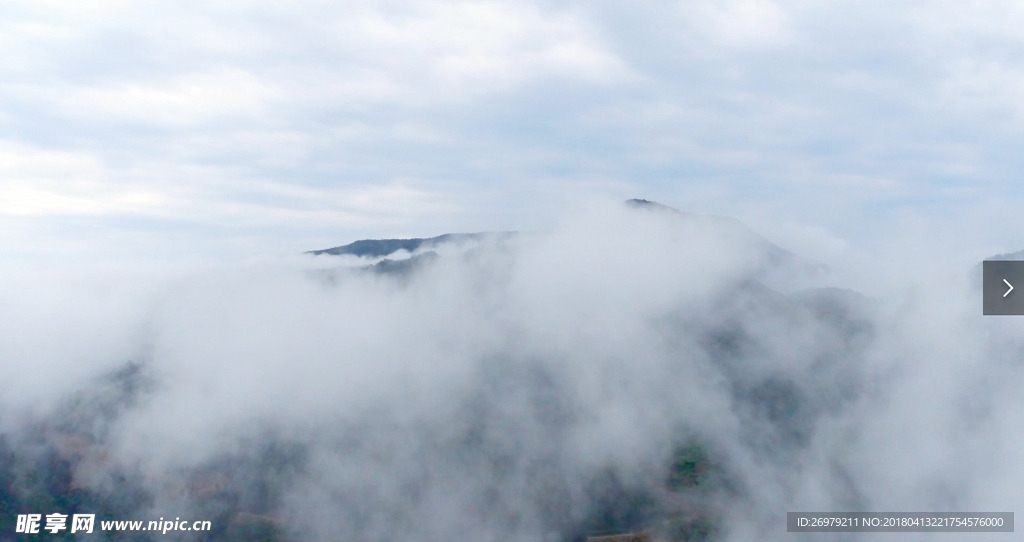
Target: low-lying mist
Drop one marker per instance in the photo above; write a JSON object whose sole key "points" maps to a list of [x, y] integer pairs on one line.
{"points": [[635, 369]]}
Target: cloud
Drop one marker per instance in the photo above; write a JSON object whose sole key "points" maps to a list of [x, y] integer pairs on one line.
{"points": [[192, 100], [501, 392], [487, 395], [741, 108]]}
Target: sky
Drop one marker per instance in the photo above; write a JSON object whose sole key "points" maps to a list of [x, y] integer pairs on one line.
{"points": [[239, 129]]}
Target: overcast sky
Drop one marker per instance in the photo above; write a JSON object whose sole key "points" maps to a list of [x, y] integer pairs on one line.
{"points": [[254, 127]]}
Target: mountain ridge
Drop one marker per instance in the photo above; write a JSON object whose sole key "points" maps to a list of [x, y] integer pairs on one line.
{"points": [[379, 248]]}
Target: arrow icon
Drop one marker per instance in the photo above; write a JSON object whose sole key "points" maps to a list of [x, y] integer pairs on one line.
{"points": [[1011, 287]]}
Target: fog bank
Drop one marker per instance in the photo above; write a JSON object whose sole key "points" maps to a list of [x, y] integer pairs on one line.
{"points": [[531, 387]]}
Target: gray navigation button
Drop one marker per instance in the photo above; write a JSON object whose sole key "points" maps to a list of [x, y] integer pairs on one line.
{"points": [[998, 294]]}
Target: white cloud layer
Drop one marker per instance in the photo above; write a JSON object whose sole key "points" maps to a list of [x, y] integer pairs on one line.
{"points": [[482, 394], [228, 126]]}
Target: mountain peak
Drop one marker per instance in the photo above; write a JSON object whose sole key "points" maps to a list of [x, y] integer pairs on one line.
{"points": [[638, 203], [378, 248]]}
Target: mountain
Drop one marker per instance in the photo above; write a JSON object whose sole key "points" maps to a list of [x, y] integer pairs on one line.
{"points": [[774, 265], [1012, 256], [377, 248], [773, 254]]}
